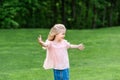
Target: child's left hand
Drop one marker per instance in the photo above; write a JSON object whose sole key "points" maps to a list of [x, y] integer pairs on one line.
{"points": [[81, 46]]}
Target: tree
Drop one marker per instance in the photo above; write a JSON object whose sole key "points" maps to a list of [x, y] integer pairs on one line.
{"points": [[75, 14]]}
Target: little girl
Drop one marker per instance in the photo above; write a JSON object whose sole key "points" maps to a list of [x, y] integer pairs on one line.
{"points": [[57, 55]]}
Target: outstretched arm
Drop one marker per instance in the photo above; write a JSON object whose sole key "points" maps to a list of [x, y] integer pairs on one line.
{"points": [[41, 42], [80, 46]]}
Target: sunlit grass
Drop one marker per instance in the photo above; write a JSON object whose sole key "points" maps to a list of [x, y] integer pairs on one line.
{"points": [[21, 57]]}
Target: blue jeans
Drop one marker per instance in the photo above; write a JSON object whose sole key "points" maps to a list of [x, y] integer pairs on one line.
{"points": [[61, 74]]}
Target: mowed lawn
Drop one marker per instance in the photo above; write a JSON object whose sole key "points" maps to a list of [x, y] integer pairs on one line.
{"points": [[21, 57]]}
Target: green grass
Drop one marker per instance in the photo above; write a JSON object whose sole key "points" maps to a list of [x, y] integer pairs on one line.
{"points": [[21, 57]]}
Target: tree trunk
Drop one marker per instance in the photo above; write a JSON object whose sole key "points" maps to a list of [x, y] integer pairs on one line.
{"points": [[103, 18], [94, 17], [110, 16], [73, 14], [111, 11], [63, 11], [55, 13]]}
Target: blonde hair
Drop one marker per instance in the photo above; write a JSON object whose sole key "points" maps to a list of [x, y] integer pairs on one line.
{"points": [[56, 29]]}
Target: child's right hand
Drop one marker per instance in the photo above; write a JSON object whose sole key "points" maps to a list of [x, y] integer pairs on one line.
{"points": [[42, 43], [40, 38]]}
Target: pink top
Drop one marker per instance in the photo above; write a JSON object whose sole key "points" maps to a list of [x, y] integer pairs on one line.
{"points": [[57, 55]]}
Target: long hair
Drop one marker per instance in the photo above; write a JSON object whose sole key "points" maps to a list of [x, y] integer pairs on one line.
{"points": [[56, 29]]}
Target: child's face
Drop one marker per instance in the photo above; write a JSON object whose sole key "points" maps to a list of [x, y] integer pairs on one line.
{"points": [[60, 36]]}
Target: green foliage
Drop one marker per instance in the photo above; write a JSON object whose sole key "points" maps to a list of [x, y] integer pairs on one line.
{"points": [[7, 16], [75, 14]]}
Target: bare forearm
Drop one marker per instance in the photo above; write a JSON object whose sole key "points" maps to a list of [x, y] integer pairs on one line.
{"points": [[74, 46], [42, 43], [80, 46]]}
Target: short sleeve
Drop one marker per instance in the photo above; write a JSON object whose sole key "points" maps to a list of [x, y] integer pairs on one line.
{"points": [[67, 44]]}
